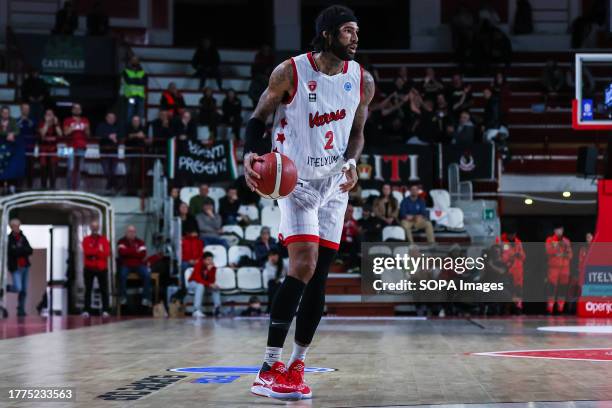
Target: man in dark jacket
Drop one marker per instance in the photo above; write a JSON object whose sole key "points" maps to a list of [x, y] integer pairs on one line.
{"points": [[206, 62], [132, 252], [107, 133], [19, 251]]}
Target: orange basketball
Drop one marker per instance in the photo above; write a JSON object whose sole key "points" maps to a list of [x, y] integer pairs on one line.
{"points": [[278, 175]]}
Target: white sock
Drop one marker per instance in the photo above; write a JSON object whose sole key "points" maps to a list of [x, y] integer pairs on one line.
{"points": [[273, 354], [298, 353]]}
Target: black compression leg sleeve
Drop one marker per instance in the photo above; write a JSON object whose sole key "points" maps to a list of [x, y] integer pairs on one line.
{"points": [[313, 301], [284, 305]]}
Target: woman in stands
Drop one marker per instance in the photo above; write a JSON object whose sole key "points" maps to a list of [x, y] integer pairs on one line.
{"points": [[50, 131]]}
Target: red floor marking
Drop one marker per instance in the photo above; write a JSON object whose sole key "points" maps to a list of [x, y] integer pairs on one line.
{"points": [[602, 354]]}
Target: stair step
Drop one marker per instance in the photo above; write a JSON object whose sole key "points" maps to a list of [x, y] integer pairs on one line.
{"points": [[34, 7]]}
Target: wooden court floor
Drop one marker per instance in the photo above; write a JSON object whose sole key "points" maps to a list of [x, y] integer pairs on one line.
{"points": [[379, 363]]}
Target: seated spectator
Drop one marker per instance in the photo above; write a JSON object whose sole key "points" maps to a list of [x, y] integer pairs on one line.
{"points": [[135, 145], [465, 133], [229, 206], [209, 225], [431, 85], [553, 79], [247, 196], [350, 241], [386, 206], [160, 130], [355, 194], [264, 61], [258, 85], [254, 307], [35, 91], [172, 101], [204, 279], [263, 245], [97, 21], [77, 131], [460, 95], [370, 225], [209, 112], [197, 201], [132, 252], [66, 20], [206, 62], [108, 134], [191, 249], [403, 83], [185, 128], [175, 195], [232, 113], [427, 128], [188, 221], [492, 127], [413, 214], [49, 131], [27, 133], [274, 272]]}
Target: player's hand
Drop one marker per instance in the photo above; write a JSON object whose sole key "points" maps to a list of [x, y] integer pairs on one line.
{"points": [[351, 179], [250, 175]]}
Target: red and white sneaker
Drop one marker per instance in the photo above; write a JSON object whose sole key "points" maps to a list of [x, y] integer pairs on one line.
{"points": [[291, 385], [266, 379]]}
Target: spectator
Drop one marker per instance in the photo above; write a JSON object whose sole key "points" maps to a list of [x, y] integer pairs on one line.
{"points": [[274, 272], [465, 133], [254, 307], [264, 61], [66, 20], [553, 78], [196, 202], [442, 119], [204, 279], [96, 252], [188, 221], [9, 131], [97, 21], [492, 115], [209, 225], [263, 245], [77, 130], [488, 13], [431, 85], [206, 62], [496, 271], [172, 101], [258, 85], [582, 257], [160, 130], [513, 257], [232, 113], [18, 263], [132, 252], [247, 196], [370, 225], [191, 250], [460, 95], [108, 134], [135, 144], [175, 195], [133, 89], [49, 131], [386, 206], [350, 241], [413, 214], [427, 127], [35, 91], [27, 132], [185, 128], [523, 18], [560, 254], [209, 112], [229, 206]]}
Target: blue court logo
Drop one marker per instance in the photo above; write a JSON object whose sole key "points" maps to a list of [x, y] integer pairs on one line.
{"points": [[238, 370], [587, 109], [348, 86]]}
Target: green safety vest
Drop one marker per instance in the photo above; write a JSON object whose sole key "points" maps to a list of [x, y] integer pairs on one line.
{"points": [[134, 83]]}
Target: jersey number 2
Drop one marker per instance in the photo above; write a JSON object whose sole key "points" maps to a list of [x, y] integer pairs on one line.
{"points": [[330, 140]]}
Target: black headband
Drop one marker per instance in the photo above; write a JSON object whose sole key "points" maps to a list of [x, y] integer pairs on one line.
{"points": [[332, 20]]}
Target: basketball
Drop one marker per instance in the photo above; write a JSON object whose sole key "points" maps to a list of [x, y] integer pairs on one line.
{"points": [[278, 175]]}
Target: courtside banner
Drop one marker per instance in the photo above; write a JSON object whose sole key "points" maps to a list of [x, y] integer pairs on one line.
{"points": [[476, 162], [193, 162], [398, 165], [503, 272]]}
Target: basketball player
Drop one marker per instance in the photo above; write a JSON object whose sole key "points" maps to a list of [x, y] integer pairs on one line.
{"points": [[320, 103]]}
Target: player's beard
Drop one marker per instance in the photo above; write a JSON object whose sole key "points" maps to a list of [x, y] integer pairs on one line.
{"points": [[340, 50]]}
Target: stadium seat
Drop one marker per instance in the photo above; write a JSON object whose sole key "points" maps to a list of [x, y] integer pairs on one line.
{"points": [[393, 232], [226, 279], [442, 213], [357, 213], [369, 192], [401, 250], [187, 274], [219, 254], [233, 229], [250, 211], [251, 232], [249, 279], [270, 217], [216, 193], [238, 251], [266, 202], [398, 196], [187, 193], [380, 250]]}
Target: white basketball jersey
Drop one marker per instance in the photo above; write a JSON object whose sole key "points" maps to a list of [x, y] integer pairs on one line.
{"points": [[313, 127]]}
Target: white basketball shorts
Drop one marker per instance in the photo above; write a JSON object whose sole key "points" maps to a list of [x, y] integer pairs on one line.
{"points": [[314, 212]]}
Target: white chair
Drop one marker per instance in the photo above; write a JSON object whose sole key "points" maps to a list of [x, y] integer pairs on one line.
{"points": [[233, 229], [357, 213], [442, 212], [393, 232], [250, 211], [369, 192], [216, 193], [249, 279], [226, 279], [266, 202], [398, 196], [401, 250], [252, 232], [219, 254], [187, 193], [380, 250], [441, 199], [238, 251], [270, 217]]}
